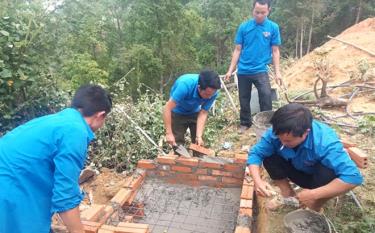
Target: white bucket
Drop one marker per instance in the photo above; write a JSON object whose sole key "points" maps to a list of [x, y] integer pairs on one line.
{"points": [[261, 121]]}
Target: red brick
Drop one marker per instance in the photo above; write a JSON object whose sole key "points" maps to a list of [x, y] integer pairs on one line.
{"points": [[133, 225], [240, 158], [105, 231], [247, 192], [193, 162], [133, 182], [201, 149], [170, 159], [131, 198], [181, 169], [248, 181], [122, 196], [92, 213], [230, 180], [239, 175], [91, 227], [146, 164], [165, 173], [246, 211], [221, 173], [233, 167], [201, 172], [125, 229], [246, 203], [186, 176], [108, 211], [207, 178], [210, 165], [358, 156], [241, 229], [347, 143]]}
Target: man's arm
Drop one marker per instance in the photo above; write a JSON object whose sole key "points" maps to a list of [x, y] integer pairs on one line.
{"points": [[201, 121], [234, 61], [72, 220], [167, 117], [261, 187], [332, 189], [276, 63]]}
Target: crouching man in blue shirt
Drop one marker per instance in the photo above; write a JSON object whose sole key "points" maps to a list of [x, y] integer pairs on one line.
{"points": [[191, 97], [305, 152], [40, 164]]}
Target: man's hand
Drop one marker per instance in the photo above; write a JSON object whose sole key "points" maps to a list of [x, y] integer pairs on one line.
{"points": [[228, 76], [263, 188], [199, 141], [169, 137], [307, 198], [278, 79]]}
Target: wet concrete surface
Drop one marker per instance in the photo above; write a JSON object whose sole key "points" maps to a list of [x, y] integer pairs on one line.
{"points": [[176, 208]]}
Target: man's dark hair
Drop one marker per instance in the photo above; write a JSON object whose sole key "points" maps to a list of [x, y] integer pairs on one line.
{"points": [[209, 78], [90, 99], [263, 2], [291, 118]]}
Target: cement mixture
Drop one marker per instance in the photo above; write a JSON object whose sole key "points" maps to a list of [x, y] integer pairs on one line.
{"points": [[308, 225], [176, 208]]}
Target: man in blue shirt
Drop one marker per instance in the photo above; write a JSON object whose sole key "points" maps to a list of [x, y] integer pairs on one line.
{"points": [[306, 152], [192, 95], [257, 43], [40, 164]]}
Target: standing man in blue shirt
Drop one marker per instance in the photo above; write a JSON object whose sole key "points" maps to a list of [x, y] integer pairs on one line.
{"points": [[191, 97], [257, 43], [306, 152], [40, 164]]}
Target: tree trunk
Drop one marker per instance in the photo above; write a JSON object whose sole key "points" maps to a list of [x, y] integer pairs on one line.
{"points": [[359, 11], [297, 36], [311, 30], [301, 39]]}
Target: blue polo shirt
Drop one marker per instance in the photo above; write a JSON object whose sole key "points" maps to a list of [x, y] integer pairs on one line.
{"points": [[40, 164], [321, 146], [256, 41], [185, 93]]}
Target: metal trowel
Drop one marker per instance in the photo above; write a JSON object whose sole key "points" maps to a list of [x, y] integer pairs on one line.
{"points": [[181, 150]]}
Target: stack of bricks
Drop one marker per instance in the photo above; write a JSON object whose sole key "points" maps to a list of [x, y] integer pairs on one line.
{"points": [[97, 218], [357, 155], [209, 171], [245, 215]]}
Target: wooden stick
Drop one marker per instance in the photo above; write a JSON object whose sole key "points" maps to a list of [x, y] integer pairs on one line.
{"points": [[229, 96], [355, 46]]}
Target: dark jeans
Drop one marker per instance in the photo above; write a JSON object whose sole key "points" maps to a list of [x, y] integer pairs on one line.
{"points": [[278, 168], [245, 84], [180, 123]]}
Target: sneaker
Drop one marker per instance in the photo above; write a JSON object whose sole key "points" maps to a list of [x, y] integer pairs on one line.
{"points": [[243, 129]]}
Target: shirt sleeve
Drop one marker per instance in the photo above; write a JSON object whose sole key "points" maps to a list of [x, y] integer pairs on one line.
{"points": [[68, 161], [239, 38], [264, 148], [207, 105], [276, 38], [337, 159], [179, 93]]}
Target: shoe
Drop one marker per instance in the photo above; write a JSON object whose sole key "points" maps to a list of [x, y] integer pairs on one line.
{"points": [[243, 129]]}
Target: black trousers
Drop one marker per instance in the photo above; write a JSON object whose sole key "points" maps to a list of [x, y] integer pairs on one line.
{"points": [[245, 84], [278, 168], [180, 123]]}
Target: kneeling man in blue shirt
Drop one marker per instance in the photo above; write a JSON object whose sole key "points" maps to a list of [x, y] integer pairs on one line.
{"points": [[40, 164], [306, 152], [192, 95]]}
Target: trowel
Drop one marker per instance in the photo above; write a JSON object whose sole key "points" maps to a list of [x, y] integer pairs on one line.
{"points": [[181, 150]]}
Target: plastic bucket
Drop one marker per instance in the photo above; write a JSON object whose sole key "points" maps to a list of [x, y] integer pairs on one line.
{"points": [[261, 122], [306, 221]]}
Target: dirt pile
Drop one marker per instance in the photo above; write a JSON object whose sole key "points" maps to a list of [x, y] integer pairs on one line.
{"points": [[344, 59]]}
